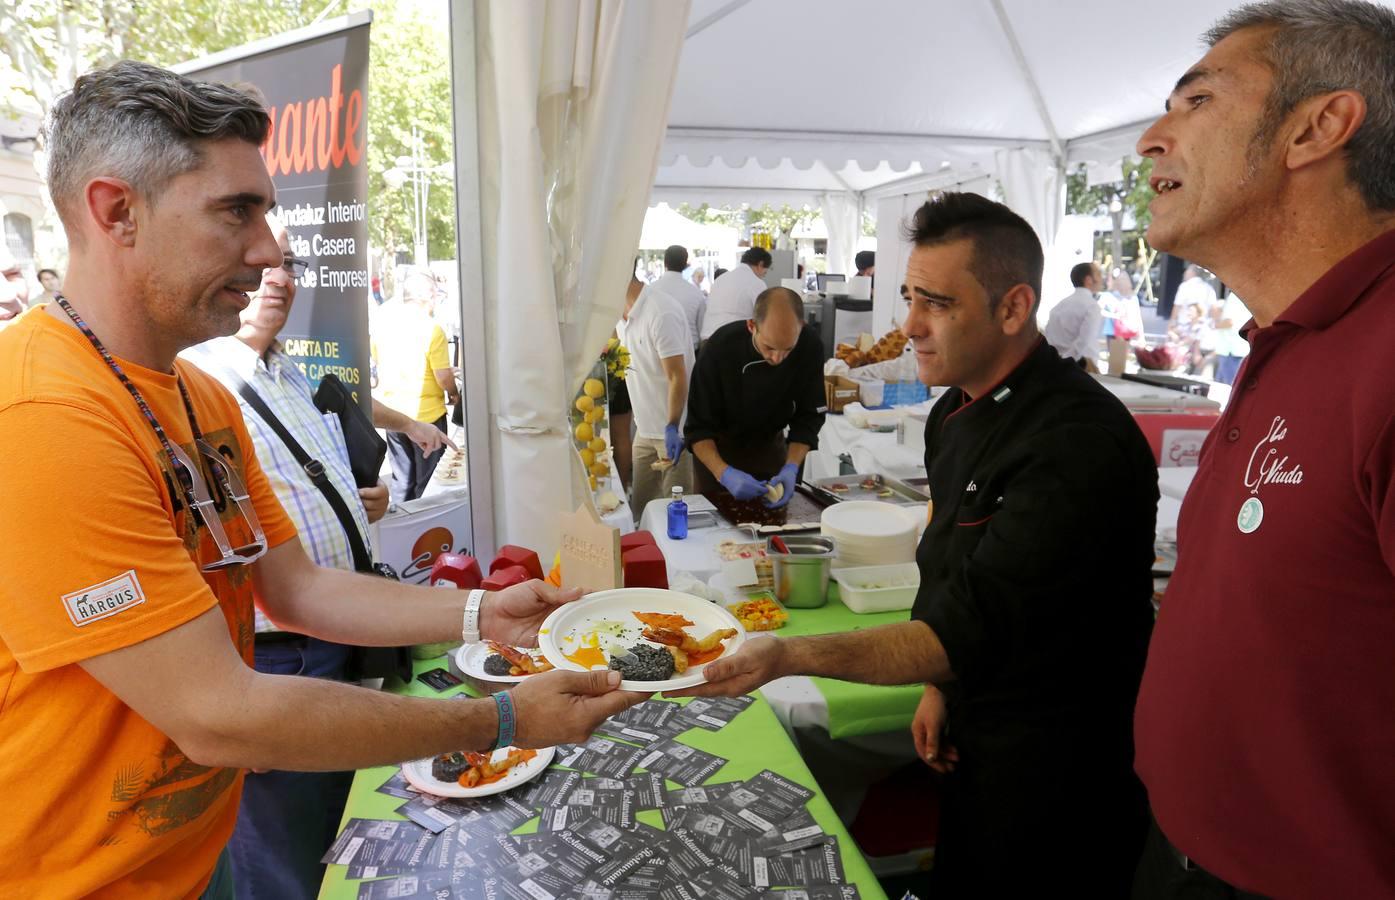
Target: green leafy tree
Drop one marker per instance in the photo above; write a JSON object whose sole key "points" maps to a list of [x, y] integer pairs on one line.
{"points": [[767, 218], [48, 44], [45, 45], [409, 86], [782, 221], [710, 215], [1132, 195]]}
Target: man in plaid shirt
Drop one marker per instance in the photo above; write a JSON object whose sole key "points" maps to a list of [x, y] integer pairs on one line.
{"points": [[287, 819]]}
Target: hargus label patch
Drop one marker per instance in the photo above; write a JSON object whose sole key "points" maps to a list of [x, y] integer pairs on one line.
{"points": [[106, 599]]}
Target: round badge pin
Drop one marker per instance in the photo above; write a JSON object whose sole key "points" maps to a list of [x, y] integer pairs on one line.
{"points": [[1251, 514]]}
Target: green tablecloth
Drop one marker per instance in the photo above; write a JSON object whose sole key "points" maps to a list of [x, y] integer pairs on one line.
{"points": [[855, 709], [752, 742]]}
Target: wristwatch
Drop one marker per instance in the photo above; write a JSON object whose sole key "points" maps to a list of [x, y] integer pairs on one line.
{"points": [[470, 628]]}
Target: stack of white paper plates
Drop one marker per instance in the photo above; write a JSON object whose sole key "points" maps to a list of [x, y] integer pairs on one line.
{"points": [[870, 533]]}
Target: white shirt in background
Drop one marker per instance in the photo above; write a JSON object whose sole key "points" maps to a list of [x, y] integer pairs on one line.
{"points": [[733, 298], [657, 330], [286, 392], [1075, 325], [688, 296], [1191, 311], [1196, 292], [1228, 340]]}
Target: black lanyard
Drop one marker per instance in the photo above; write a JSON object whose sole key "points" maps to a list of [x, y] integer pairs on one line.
{"points": [[180, 470], [196, 496], [180, 466]]}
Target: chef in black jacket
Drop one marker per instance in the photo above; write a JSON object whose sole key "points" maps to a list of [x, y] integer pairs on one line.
{"points": [[1032, 620], [751, 381]]}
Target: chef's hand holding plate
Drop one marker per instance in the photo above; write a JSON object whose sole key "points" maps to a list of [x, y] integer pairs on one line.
{"points": [[512, 616], [564, 707], [757, 661], [928, 730]]}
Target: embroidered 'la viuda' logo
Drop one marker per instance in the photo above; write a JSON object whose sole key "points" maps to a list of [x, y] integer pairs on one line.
{"points": [[1268, 465]]}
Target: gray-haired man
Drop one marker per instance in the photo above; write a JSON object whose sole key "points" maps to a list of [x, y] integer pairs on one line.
{"points": [[137, 526], [1264, 728]]}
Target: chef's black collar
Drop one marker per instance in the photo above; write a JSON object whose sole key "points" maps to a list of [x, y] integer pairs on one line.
{"points": [[1042, 353]]}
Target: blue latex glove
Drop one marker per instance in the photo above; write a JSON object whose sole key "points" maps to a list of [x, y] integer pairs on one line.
{"points": [[673, 442], [786, 478], [741, 485]]}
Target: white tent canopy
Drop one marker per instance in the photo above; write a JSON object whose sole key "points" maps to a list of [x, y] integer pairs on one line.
{"points": [[867, 107], [783, 100], [563, 112]]}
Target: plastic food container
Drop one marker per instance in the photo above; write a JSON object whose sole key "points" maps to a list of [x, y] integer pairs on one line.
{"points": [[763, 612], [870, 393], [872, 589], [801, 575]]}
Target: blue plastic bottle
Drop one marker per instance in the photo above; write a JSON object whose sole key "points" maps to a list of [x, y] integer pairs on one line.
{"points": [[677, 516]]}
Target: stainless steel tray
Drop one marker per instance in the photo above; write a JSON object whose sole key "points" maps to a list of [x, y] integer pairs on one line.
{"points": [[862, 486]]}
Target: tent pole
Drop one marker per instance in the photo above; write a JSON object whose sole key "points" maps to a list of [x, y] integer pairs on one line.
{"points": [[469, 257], [713, 19], [838, 178], [1057, 149]]}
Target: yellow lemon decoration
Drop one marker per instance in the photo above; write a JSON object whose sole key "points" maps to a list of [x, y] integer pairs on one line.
{"points": [[592, 480], [597, 445], [600, 469], [587, 457], [584, 432], [593, 388], [585, 403], [594, 415]]}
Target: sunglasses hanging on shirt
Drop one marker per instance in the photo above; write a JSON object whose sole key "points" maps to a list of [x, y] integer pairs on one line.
{"points": [[195, 491]]}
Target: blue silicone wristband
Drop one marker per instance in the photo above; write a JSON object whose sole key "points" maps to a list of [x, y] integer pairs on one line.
{"points": [[508, 720]]}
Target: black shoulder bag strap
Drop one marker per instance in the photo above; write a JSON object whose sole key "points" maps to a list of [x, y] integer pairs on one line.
{"points": [[313, 467]]}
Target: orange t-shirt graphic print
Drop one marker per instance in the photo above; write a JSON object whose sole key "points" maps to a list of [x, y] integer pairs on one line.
{"points": [[100, 553]]}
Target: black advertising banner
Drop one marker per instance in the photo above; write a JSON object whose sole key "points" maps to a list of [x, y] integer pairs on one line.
{"points": [[317, 153]]}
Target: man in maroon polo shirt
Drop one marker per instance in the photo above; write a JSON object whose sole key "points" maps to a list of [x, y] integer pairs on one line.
{"points": [[1265, 726]]}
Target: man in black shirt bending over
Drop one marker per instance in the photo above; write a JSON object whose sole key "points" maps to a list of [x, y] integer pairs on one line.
{"points": [[1033, 615], [751, 381]]}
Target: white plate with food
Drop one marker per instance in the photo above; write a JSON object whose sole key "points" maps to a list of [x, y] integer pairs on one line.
{"points": [[499, 663], [477, 774], [666, 638]]}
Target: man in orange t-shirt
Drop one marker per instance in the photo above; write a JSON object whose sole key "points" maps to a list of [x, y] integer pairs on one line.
{"points": [[128, 704], [85, 776]]}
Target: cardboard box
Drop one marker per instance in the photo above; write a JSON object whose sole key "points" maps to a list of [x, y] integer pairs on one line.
{"points": [[839, 392]]}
